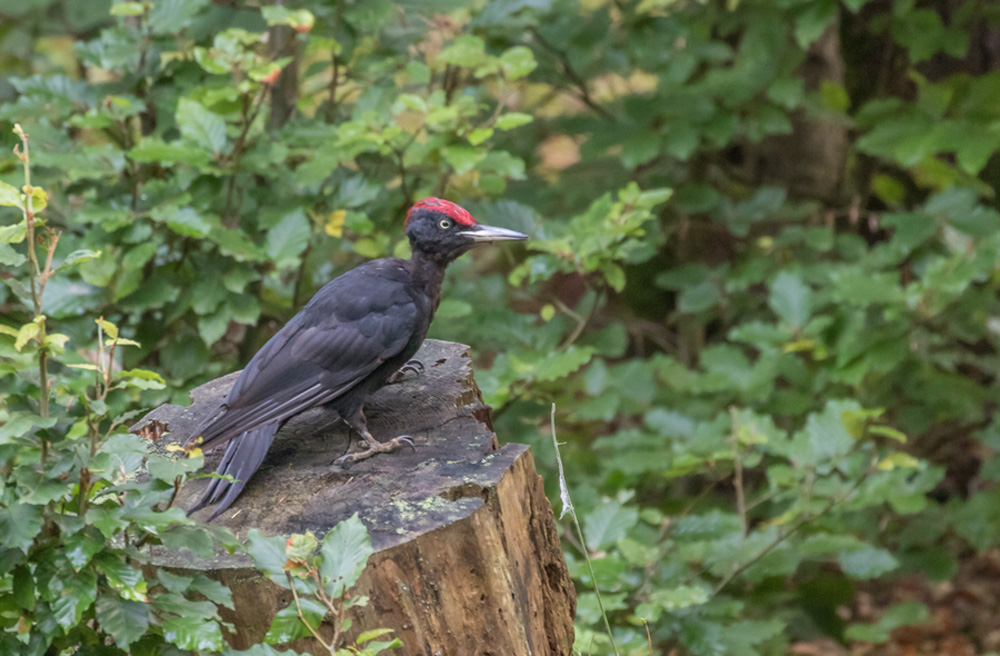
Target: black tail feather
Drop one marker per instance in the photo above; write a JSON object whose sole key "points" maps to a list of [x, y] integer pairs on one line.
{"points": [[242, 458]]}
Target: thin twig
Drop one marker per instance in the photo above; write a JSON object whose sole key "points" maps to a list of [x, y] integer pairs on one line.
{"points": [[741, 504], [568, 508], [581, 84]]}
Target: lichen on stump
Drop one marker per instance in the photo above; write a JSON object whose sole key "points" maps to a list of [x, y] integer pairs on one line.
{"points": [[467, 558]]}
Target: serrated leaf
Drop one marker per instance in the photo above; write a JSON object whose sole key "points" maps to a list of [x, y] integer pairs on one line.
{"points": [[19, 524], [607, 524], [268, 554], [345, 551], [125, 620]]}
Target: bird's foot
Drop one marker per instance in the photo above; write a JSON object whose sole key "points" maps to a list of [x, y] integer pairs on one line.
{"points": [[345, 461], [415, 367]]}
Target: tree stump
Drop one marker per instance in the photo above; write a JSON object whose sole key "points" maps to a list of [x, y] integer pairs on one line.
{"points": [[467, 558]]}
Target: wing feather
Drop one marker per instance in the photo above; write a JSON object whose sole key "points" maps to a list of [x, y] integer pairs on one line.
{"points": [[336, 341]]}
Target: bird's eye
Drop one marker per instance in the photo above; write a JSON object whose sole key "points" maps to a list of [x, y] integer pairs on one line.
{"points": [[445, 224]]}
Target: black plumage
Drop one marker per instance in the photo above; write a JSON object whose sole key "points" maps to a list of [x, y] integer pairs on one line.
{"points": [[355, 333]]}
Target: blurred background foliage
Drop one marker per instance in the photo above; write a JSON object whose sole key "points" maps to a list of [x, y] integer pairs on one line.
{"points": [[761, 290]]}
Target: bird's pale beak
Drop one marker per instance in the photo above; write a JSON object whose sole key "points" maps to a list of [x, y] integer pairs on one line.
{"points": [[485, 234]]}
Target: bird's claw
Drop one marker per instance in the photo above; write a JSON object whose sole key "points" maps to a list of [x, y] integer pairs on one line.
{"points": [[415, 367], [345, 461]]}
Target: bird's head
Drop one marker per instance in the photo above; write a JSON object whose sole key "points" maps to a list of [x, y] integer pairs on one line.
{"points": [[442, 230]]}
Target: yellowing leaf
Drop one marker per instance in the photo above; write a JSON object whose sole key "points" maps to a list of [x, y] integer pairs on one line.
{"points": [[335, 223], [898, 460], [888, 431], [56, 338], [27, 332], [110, 329], [39, 198], [9, 195]]}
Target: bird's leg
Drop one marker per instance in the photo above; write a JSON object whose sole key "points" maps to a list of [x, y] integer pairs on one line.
{"points": [[360, 426], [415, 367]]}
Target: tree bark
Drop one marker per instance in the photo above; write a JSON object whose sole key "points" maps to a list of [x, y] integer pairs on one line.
{"points": [[467, 558]]}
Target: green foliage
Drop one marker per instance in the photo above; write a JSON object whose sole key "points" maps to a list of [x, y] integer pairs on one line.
{"points": [[754, 342], [319, 584], [82, 502]]}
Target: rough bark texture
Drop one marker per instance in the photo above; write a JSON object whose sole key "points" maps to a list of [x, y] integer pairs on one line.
{"points": [[467, 556]]}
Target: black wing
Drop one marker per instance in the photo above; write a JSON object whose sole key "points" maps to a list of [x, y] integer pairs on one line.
{"points": [[351, 326]]}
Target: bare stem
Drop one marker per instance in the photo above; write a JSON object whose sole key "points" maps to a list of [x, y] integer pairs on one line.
{"points": [[568, 507], [37, 279], [741, 504]]}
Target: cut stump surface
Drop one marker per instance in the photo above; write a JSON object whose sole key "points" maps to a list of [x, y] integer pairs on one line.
{"points": [[467, 558]]}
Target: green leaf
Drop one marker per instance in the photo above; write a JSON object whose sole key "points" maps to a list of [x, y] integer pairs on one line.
{"points": [[81, 547], [73, 595], [868, 563], [286, 625], [78, 256], [128, 9], [466, 50], [513, 120], [479, 135], [10, 196], [13, 234], [365, 636], [19, 524], [268, 554], [9, 257], [607, 524], [184, 221], [288, 239], [672, 599], [463, 158], [907, 614], [345, 551], [153, 149], [200, 125], [560, 364], [125, 620], [300, 19], [27, 332], [123, 577], [791, 299], [193, 632], [517, 62], [144, 379]]}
